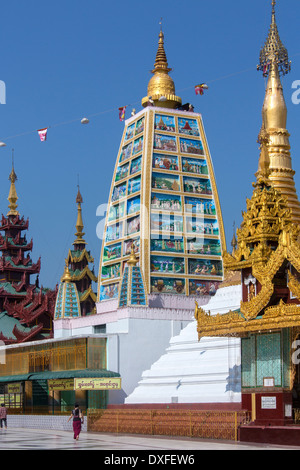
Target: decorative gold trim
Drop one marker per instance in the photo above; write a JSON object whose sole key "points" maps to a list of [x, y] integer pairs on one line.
{"points": [[234, 324]]}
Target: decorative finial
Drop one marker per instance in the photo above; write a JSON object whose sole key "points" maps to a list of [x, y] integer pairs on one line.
{"points": [[274, 53], [234, 240], [133, 259], [66, 277], [161, 85], [12, 196], [79, 223], [160, 24]]}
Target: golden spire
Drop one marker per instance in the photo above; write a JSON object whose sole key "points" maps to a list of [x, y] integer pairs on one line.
{"points": [[12, 196], [275, 159], [132, 259], [161, 88], [79, 223], [66, 277]]}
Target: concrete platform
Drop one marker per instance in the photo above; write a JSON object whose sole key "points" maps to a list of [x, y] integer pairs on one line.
{"points": [[115, 444]]}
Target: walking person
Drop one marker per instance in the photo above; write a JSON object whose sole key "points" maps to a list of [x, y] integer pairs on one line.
{"points": [[3, 416], [77, 420]]}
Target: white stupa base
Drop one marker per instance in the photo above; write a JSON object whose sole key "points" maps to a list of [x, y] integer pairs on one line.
{"points": [[192, 371]]}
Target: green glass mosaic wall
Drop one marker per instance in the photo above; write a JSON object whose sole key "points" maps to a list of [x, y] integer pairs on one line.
{"points": [[266, 355]]}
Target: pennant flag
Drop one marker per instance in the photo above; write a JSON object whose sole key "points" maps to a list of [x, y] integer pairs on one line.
{"points": [[266, 69], [199, 88], [122, 113], [43, 134]]}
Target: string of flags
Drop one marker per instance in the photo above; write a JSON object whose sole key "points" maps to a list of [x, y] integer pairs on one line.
{"points": [[199, 90], [43, 133]]}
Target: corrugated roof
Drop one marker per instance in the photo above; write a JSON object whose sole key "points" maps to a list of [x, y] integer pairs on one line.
{"points": [[63, 374]]}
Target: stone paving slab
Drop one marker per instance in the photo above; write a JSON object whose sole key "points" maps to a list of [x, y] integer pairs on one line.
{"points": [[32, 439]]}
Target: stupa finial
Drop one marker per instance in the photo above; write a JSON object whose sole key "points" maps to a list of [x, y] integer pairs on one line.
{"points": [[161, 88], [12, 196], [273, 51], [79, 223]]}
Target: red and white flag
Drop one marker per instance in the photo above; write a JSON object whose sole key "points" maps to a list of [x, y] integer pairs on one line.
{"points": [[43, 134]]}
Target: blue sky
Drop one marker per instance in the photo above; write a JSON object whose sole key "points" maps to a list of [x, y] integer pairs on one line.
{"points": [[68, 59]]}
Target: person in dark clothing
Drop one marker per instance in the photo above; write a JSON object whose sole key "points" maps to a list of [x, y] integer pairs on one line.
{"points": [[77, 417]]}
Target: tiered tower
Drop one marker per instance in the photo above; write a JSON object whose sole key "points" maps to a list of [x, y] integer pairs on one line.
{"points": [[163, 199], [78, 261], [26, 310], [67, 302]]}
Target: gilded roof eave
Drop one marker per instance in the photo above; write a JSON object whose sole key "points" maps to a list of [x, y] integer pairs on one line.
{"points": [[81, 274], [76, 259], [235, 324]]}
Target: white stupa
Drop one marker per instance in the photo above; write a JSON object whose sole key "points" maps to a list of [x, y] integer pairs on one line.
{"points": [[192, 371]]}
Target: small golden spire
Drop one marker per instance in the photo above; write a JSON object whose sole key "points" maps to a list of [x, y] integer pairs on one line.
{"points": [[233, 241], [12, 196], [132, 259], [66, 277], [79, 223], [161, 88]]}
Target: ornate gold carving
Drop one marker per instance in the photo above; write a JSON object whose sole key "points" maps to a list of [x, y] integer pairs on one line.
{"points": [[267, 238], [234, 324]]}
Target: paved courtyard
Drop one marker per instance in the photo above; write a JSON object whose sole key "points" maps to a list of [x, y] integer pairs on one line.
{"points": [[37, 439]]}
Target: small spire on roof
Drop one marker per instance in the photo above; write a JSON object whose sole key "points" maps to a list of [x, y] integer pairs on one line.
{"points": [[79, 223], [12, 196]]}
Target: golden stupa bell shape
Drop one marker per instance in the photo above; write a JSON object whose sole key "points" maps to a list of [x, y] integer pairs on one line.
{"points": [[132, 261], [66, 277], [161, 88]]}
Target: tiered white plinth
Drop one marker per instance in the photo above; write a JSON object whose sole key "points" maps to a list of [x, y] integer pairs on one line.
{"points": [[192, 371]]}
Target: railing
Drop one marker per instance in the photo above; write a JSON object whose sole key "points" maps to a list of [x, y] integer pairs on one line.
{"points": [[43, 410], [190, 423]]}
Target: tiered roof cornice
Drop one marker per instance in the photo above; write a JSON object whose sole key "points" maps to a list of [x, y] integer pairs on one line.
{"points": [[76, 256]]}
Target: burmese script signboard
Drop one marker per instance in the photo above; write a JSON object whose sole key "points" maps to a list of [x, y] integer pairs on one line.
{"points": [[110, 383], [60, 384]]}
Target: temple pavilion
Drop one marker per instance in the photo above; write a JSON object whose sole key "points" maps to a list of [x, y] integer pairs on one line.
{"points": [[267, 259]]}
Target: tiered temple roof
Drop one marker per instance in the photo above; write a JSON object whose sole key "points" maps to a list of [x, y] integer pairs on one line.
{"points": [[26, 310], [78, 261]]}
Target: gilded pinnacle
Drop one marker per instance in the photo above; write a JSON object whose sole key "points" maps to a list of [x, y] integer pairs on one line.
{"points": [[12, 196], [79, 223], [66, 277], [273, 50], [161, 88]]}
